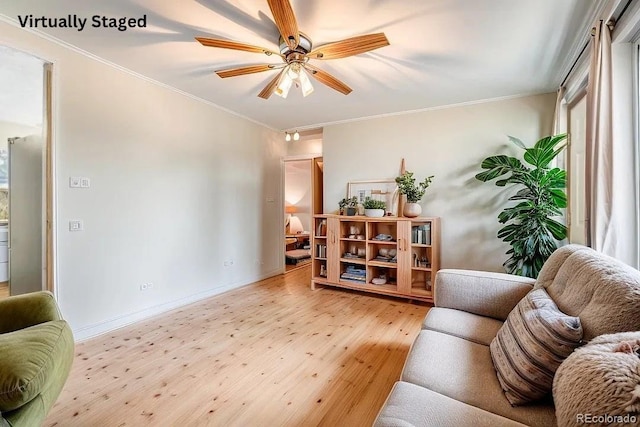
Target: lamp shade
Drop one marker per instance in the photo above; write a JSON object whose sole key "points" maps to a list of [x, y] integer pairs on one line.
{"points": [[290, 209], [295, 225]]}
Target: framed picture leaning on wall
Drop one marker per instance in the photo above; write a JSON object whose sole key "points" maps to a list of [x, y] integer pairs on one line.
{"points": [[381, 189]]}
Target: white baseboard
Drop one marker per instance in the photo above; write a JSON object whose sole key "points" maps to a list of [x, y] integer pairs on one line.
{"points": [[103, 327]]}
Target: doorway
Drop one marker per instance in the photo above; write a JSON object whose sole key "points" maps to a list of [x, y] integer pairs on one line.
{"points": [[26, 199], [303, 198]]}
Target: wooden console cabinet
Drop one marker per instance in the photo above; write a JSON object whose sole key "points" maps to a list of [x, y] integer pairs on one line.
{"points": [[351, 251]]}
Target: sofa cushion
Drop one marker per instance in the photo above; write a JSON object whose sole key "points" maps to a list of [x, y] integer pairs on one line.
{"points": [[600, 378], [412, 406], [28, 362], [462, 370], [602, 291], [531, 345], [462, 324]]}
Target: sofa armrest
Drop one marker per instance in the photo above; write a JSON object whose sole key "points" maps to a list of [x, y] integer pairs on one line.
{"points": [[22, 311], [480, 292]]}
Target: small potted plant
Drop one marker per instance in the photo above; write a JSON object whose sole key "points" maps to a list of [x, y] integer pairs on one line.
{"points": [[349, 204], [407, 186], [374, 208]]}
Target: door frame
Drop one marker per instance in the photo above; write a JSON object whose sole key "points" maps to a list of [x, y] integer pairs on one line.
{"points": [[49, 205], [314, 197], [47, 137]]}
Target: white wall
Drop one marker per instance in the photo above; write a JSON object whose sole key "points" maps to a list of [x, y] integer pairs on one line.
{"points": [[305, 146], [449, 143], [177, 187]]}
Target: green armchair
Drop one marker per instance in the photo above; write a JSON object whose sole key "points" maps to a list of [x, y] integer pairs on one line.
{"points": [[36, 352]]}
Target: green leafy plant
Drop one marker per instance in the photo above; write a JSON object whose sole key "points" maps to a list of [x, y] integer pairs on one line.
{"points": [[407, 186], [370, 203], [351, 203], [530, 228]]}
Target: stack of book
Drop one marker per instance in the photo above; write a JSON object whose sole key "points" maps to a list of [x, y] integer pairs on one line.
{"points": [[421, 234], [355, 274], [321, 251]]}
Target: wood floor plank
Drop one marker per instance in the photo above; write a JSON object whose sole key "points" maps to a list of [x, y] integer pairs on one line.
{"points": [[274, 353], [4, 289]]}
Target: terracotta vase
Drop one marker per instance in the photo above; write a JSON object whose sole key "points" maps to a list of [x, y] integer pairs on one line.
{"points": [[412, 210]]}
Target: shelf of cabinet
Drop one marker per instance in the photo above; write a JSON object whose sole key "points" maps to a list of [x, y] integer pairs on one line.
{"points": [[382, 242], [358, 261], [419, 245], [382, 264], [421, 268]]}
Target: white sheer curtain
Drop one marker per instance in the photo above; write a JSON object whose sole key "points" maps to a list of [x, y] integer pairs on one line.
{"points": [[609, 185]]}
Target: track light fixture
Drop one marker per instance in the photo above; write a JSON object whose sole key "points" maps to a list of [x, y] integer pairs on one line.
{"points": [[288, 136]]}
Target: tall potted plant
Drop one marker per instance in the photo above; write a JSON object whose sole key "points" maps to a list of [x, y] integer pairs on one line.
{"points": [[414, 192], [530, 228]]}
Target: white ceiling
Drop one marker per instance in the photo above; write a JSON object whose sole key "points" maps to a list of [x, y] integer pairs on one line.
{"points": [[20, 88], [441, 52]]}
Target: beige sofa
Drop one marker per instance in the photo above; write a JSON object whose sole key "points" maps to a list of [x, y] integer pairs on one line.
{"points": [[449, 379]]}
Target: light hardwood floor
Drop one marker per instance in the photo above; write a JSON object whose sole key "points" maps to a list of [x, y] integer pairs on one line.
{"points": [[274, 353], [4, 289]]}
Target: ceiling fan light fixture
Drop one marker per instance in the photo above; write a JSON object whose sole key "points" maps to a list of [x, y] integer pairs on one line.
{"points": [[305, 83], [285, 84]]}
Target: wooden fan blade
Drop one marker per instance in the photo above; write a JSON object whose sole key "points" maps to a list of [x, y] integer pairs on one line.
{"points": [[271, 87], [327, 79], [228, 44], [350, 47], [285, 21], [240, 71]]}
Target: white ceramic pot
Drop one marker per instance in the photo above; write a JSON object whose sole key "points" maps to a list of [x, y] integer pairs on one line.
{"points": [[412, 210], [374, 213]]}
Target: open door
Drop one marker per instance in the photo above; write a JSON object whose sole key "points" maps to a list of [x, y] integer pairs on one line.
{"points": [[26, 267], [317, 186]]}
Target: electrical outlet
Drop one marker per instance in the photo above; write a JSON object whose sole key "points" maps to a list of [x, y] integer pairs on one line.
{"points": [[74, 182], [85, 182], [228, 262], [146, 286]]}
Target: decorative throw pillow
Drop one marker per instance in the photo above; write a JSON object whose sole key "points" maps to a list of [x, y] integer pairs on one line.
{"points": [[600, 383], [531, 345]]}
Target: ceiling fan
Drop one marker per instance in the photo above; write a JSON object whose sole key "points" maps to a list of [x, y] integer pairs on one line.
{"points": [[296, 49]]}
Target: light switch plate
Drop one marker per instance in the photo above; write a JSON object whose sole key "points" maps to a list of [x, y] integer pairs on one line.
{"points": [[74, 182], [76, 225]]}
